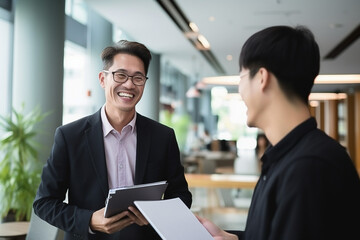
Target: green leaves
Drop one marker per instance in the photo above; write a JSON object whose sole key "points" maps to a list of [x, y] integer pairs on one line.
{"points": [[19, 164]]}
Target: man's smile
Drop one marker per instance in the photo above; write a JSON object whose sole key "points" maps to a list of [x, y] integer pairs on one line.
{"points": [[124, 94]]}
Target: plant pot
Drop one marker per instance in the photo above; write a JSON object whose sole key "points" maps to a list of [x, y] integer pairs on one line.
{"points": [[10, 217]]}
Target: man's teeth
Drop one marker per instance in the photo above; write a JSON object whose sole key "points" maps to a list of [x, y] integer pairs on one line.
{"points": [[122, 94]]}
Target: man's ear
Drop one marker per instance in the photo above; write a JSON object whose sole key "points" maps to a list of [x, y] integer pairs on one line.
{"points": [[265, 78], [102, 79]]}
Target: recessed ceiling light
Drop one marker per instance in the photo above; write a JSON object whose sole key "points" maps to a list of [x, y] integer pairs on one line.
{"points": [[221, 80], [204, 42], [194, 27], [337, 79], [211, 18], [314, 103], [320, 79], [229, 57], [327, 96]]}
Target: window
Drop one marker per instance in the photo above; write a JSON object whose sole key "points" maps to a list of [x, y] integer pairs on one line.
{"points": [[232, 123], [77, 10], [76, 99]]}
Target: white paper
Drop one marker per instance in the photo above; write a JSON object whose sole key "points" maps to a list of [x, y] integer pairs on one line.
{"points": [[173, 220]]}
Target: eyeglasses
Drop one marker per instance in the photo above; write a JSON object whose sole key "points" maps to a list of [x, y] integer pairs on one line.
{"points": [[120, 77], [243, 75]]}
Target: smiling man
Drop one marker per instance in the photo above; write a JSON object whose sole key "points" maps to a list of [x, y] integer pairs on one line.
{"points": [[112, 148]]}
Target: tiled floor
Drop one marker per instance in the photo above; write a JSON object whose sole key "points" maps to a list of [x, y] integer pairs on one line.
{"points": [[230, 212]]}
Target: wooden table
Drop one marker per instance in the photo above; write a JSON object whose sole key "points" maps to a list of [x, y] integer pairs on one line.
{"points": [[221, 180], [14, 230], [219, 186]]}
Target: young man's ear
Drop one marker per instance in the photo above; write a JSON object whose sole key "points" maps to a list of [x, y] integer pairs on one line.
{"points": [[265, 78]]}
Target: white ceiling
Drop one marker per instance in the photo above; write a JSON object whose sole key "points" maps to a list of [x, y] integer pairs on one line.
{"points": [[235, 20]]}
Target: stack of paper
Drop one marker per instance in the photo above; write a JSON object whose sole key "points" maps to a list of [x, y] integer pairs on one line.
{"points": [[173, 220]]}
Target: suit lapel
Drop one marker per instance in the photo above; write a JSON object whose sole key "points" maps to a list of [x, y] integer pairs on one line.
{"points": [[142, 148], [94, 135]]}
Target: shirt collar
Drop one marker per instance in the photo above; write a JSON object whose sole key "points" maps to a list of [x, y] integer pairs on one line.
{"points": [[107, 128], [275, 153]]}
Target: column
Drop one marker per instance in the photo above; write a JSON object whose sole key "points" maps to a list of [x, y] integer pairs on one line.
{"points": [[149, 104], [357, 130], [39, 33], [350, 125], [331, 118], [210, 122], [319, 113]]}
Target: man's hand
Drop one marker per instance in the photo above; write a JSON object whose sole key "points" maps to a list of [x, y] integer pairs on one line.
{"points": [[113, 224], [117, 222], [139, 218], [215, 231]]}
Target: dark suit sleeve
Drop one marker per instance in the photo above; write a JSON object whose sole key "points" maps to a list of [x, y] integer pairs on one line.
{"points": [[178, 186], [49, 201]]}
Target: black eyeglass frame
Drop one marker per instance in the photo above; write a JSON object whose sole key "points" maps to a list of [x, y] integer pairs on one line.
{"points": [[127, 77]]}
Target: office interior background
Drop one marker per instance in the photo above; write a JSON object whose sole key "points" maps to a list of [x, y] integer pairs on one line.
{"points": [[50, 58]]}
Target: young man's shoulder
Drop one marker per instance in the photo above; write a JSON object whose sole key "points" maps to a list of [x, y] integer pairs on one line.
{"points": [[318, 142], [318, 150]]}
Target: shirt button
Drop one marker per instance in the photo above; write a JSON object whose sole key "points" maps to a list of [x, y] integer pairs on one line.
{"points": [[264, 177]]}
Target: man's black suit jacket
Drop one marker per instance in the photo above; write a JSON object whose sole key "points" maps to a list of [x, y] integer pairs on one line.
{"points": [[77, 164]]}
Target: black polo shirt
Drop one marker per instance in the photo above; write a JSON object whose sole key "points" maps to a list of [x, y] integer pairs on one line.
{"points": [[308, 189]]}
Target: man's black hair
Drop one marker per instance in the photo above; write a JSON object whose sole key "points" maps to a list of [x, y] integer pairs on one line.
{"points": [[291, 54]]}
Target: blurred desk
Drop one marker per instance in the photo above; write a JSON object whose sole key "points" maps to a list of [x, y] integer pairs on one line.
{"points": [[221, 180], [14, 230], [209, 161]]}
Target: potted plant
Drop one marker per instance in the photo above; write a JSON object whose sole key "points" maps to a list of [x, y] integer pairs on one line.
{"points": [[20, 167]]}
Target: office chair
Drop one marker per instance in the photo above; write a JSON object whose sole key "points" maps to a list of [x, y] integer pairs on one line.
{"points": [[39, 229]]}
